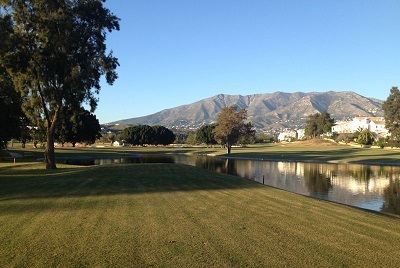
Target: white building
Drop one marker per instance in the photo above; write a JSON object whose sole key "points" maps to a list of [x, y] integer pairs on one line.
{"points": [[118, 143], [374, 124], [291, 135]]}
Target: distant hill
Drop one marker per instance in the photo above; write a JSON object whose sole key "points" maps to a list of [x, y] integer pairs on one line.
{"points": [[266, 111]]}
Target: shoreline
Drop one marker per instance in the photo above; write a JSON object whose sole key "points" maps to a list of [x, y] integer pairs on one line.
{"points": [[361, 162]]}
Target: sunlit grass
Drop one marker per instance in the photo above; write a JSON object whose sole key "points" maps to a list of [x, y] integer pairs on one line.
{"points": [[170, 215]]}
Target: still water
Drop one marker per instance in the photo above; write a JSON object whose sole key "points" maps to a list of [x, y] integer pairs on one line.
{"points": [[370, 187]]}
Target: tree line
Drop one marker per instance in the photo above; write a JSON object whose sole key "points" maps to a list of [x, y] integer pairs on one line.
{"points": [[144, 134]]}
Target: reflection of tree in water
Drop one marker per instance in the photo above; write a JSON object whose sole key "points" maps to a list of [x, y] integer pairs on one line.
{"points": [[391, 196], [317, 181], [226, 166], [363, 174], [230, 167]]}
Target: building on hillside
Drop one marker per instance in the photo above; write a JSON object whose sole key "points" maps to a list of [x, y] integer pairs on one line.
{"points": [[290, 135], [374, 124], [300, 133]]}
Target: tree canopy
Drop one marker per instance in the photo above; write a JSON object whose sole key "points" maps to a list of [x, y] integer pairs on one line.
{"points": [[231, 127], [391, 109], [318, 124], [365, 136], [205, 134], [55, 53], [10, 109], [78, 126], [144, 134]]}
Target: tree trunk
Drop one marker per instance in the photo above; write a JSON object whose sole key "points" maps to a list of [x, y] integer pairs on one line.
{"points": [[228, 148], [49, 155]]}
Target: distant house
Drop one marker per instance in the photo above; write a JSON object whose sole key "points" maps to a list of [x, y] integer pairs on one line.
{"points": [[118, 143], [374, 124], [290, 135]]}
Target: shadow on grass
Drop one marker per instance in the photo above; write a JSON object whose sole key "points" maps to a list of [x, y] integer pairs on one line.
{"points": [[112, 180]]}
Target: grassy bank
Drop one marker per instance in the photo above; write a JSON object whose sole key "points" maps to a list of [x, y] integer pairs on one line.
{"points": [[321, 151], [169, 215]]}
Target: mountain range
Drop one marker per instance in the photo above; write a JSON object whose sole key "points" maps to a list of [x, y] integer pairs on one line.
{"points": [[266, 111]]}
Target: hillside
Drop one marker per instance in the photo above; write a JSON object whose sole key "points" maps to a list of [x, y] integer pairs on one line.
{"points": [[266, 111]]}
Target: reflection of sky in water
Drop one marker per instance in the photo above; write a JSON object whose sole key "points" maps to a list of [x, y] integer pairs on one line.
{"points": [[372, 204], [355, 185]]}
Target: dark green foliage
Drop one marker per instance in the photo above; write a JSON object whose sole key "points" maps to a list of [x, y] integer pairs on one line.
{"points": [[38, 135], [163, 135], [205, 135], [55, 53], [391, 109], [182, 135], [78, 126], [365, 136], [264, 138], [144, 134], [318, 124], [247, 134], [10, 109]]}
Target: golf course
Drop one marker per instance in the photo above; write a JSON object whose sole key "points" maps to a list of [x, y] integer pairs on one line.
{"points": [[173, 215]]}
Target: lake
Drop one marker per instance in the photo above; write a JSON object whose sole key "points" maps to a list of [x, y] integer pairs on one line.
{"points": [[370, 187]]}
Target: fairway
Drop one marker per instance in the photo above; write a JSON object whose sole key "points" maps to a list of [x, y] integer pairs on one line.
{"points": [[170, 215]]}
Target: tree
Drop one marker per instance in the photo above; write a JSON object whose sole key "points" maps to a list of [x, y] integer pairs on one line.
{"points": [[365, 136], [248, 134], [391, 109], [38, 134], [181, 135], [55, 53], [163, 135], [10, 109], [131, 135], [191, 139], [231, 127], [144, 134], [205, 135], [78, 126], [318, 124]]}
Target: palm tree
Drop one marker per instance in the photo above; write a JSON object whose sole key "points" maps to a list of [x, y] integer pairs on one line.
{"points": [[365, 136]]}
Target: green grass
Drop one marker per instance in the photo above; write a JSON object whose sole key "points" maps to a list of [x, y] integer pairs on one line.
{"points": [[169, 215], [320, 153]]}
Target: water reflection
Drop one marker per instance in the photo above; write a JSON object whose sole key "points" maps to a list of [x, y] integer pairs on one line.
{"points": [[391, 196], [317, 181], [371, 187]]}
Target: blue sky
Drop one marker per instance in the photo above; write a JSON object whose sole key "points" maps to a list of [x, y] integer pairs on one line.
{"points": [[173, 53]]}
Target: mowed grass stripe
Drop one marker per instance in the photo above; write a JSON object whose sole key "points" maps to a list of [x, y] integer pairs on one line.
{"points": [[169, 215]]}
